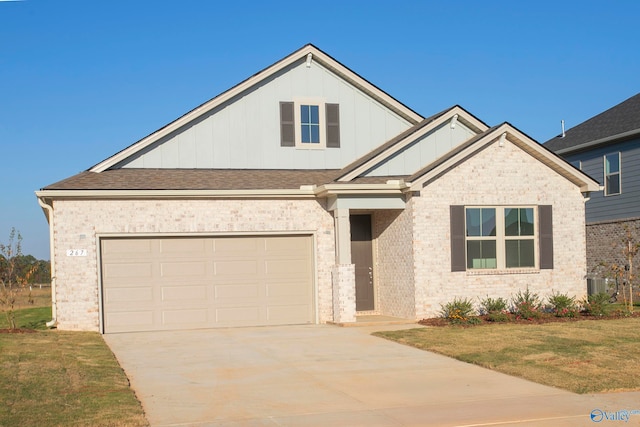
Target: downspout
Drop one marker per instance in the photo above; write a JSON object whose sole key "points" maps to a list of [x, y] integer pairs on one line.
{"points": [[49, 209]]}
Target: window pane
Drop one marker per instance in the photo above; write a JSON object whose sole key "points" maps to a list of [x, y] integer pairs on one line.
{"points": [[511, 227], [481, 254], [613, 184], [315, 134], [306, 134], [526, 222], [473, 222], [612, 163], [488, 222], [314, 116], [519, 253], [304, 114]]}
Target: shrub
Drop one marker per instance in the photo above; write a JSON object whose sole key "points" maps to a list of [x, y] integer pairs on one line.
{"points": [[562, 305], [499, 316], [490, 305], [597, 304], [526, 305], [459, 311]]}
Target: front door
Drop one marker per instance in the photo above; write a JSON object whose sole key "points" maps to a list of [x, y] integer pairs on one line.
{"points": [[362, 257]]}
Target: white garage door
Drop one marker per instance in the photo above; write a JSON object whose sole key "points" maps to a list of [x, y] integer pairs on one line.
{"points": [[187, 283]]}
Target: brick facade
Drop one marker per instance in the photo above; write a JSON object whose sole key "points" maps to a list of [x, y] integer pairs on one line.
{"points": [[605, 241], [79, 224], [496, 176]]}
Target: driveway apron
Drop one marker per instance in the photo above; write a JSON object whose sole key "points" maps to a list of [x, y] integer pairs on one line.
{"points": [[322, 375]]}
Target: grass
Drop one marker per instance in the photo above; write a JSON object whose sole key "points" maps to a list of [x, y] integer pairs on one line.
{"points": [[583, 356], [58, 378]]}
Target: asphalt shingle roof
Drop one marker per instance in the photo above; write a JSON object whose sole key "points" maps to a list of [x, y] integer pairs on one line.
{"points": [[619, 119], [194, 179]]}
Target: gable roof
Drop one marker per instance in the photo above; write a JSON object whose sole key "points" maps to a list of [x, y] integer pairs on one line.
{"points": [[397, 143], [619, 122], [506, 132], [306, 53]]}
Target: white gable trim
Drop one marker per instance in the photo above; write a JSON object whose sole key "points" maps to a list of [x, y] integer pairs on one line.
{"points": [[300, 55], [504, 134], [453, 115]]}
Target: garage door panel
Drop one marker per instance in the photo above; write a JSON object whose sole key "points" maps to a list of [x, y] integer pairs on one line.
{"points": [[194, 317], [238, 315], [185, 283], [128, 271], [247, 290], [183, 269], [184, 293], [283, 314], [183, 247], [236, 268], [129, 294], [121, 248]]}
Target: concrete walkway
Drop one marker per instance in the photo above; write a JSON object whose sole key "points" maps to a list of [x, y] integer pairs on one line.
{"points": [[330, 376]]}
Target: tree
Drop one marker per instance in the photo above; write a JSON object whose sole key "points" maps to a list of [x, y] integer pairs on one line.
{"points": [[623, 272], [15, 273]]}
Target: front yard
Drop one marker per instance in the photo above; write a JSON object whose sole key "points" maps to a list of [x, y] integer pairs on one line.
{"points": [[584, 356], [57, 378]]}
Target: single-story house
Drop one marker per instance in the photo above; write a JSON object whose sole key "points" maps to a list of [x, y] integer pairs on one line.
{"points": [[306, 194]]}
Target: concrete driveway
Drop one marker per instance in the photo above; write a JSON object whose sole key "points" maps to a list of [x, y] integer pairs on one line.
{"points": [[329, 376]]}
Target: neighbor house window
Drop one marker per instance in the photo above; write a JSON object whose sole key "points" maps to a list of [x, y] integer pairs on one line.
{"points": [[309, 124], [612, 176], [500, 237]]}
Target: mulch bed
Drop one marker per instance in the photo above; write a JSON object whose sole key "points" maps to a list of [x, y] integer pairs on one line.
{"points": [[441, 321]]}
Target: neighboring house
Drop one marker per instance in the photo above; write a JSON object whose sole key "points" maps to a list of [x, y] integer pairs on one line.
{"points": [[607, 148], [305, 194]]}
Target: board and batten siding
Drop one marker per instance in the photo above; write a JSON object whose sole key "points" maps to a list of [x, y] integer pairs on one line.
{"points": [[424, 151], [619, 206], [245, 131]]}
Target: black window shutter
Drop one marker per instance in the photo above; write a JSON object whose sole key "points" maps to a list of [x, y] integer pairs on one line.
{"points": [[545, 219], [458, 258], [333, 125], [287, 125]]}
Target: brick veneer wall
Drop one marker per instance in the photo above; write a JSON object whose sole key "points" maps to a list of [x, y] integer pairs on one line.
{"points": [[496, 176], [77, 225], [394, 269], [605, 242]]}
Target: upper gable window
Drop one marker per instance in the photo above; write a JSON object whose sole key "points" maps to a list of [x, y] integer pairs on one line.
{"points": [[309, 124], [612, 181]]}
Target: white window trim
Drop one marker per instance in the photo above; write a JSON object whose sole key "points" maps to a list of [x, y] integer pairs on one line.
{"points": [[501, 238], [619, 173], [297, 102]]}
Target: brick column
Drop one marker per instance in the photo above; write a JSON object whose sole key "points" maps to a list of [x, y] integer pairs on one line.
{"points": [[343, 278]]}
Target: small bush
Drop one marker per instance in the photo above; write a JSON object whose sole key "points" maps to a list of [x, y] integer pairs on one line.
{"points": [[459, 311], [526, 305], [597, 304], [562, 305], [499, 316], [490, 305]]}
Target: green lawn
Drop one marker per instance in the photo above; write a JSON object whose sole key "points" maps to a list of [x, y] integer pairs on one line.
{"points": [[583, 356], [58, 378]]}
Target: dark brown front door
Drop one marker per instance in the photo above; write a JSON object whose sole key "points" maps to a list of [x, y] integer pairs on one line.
{"points": [[362, 257]]}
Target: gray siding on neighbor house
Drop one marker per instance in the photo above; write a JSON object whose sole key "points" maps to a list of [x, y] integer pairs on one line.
{"points": [[614, 207]]}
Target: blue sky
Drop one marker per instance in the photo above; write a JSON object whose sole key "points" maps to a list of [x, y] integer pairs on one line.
{"points": [[80, 80]]}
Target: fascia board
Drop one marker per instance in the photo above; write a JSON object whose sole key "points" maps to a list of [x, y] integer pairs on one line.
{"points": [[463, 116], [555, 162], [584, 182], [597, 142], [171, 194], [362, 189], [323, 58]]}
